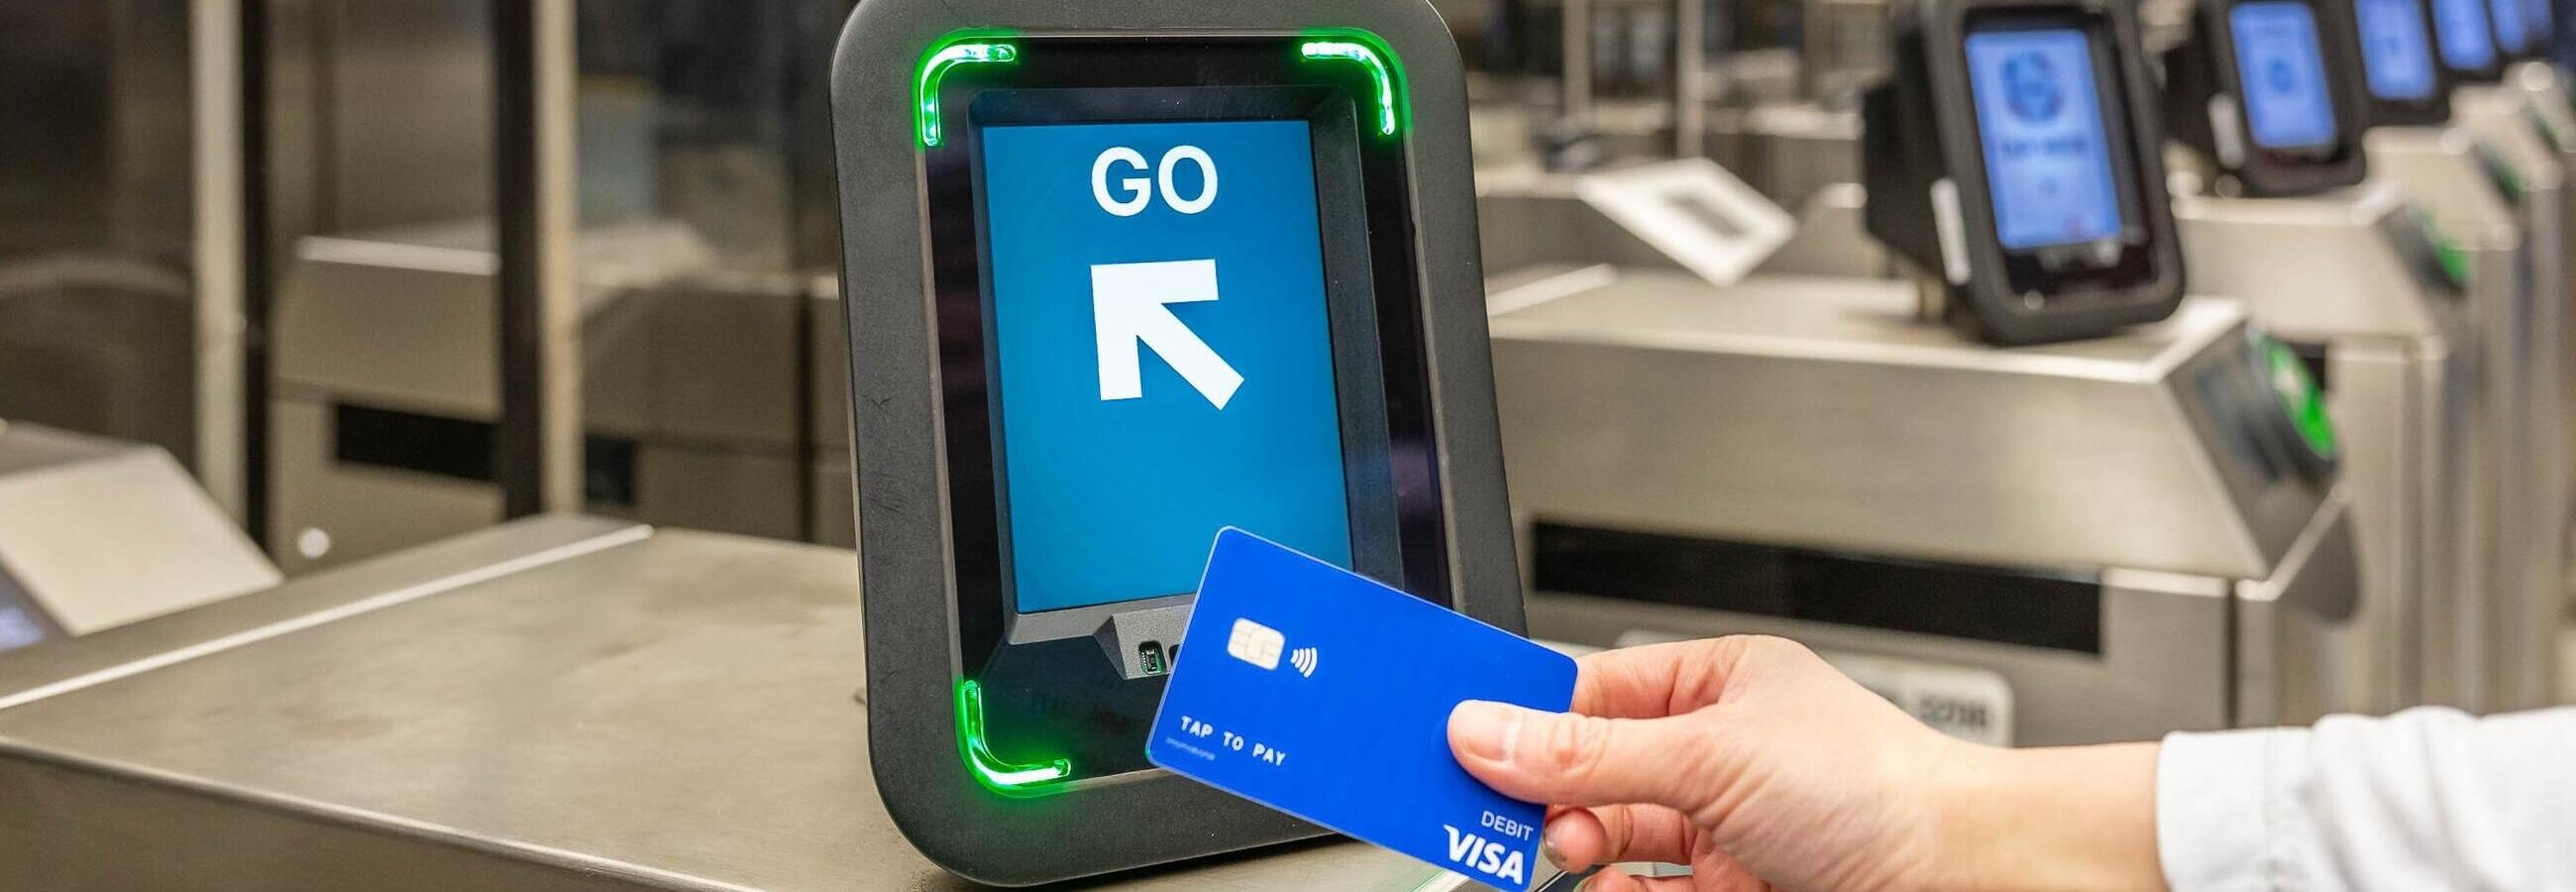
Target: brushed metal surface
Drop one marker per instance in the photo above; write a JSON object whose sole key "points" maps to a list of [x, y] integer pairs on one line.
{"points": [[2168, 661], [1789, 150], [1816, 412], [831, 369], [2502, 655], [99, 285], [751, 493], [2305, 644], [357, 511], [2309, 269], [2403, 471], [699, 367], [676, 713], [1833, 239], [2440, 170], [405, 316], [2548, 93], [2537, 97], [2164, 664], [96, 659], [1526, 216], [218, 179]]}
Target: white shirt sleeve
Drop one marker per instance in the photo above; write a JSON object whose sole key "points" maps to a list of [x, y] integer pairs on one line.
{"points": [[2426, 799]]}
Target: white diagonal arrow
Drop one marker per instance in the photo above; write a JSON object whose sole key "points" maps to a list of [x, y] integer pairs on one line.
{"points": [[1129, 306]]}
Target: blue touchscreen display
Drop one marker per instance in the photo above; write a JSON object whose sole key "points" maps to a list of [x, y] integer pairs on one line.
{"points": [[2396, 52], [2512, 29], [1163, 357], [2461, 25], [2048, 154], [2283, 73]]}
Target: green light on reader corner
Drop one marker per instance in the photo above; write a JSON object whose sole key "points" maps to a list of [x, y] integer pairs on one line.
{"points": [[965, 48], [2299, 397], [996, 775], [1350, 45]]}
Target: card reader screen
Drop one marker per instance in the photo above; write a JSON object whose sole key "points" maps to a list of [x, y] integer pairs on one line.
{"points": [[2396, 53], [2048, 155], [2287, 101], [1161, 351], [2462, 28], [2513, 32]]}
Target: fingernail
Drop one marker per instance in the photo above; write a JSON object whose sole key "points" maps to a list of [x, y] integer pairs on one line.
{"points": [[1547, 849], [1486, 729]]}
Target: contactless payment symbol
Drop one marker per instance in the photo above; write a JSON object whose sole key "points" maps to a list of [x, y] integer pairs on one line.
{"points": [[2030, 87]]}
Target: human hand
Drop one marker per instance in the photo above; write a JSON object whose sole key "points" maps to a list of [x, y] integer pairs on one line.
{"points": [[1757, 764]]}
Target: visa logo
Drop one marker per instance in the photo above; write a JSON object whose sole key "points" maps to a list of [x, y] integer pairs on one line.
{"points": [[1486, 856]]}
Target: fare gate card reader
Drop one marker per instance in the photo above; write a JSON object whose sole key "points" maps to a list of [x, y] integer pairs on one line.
{"points": [[2513, 26], [2264, 91], [2047, 197], [2406, 83], [1118, 276], [2037, 208], [2467, 41]]}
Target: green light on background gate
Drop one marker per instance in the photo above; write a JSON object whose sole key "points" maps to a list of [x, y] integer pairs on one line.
{"points": [[2300, 397], [965, 48], [1002, 777], [1363, 48]]}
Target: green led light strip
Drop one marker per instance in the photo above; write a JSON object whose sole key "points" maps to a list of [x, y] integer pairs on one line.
{"points": [[2506, 177], [961, 48], [2453, 259], [1001, 777], [2300, 397], [1352, 45]]}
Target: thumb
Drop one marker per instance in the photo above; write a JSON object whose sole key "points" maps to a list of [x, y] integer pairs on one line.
{"points": [[1566, 759]]}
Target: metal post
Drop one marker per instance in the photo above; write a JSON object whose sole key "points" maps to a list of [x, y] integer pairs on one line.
{"points": [[1690, 82], [222, 372], [1576, 25], [1815, 46], [539, 437]]}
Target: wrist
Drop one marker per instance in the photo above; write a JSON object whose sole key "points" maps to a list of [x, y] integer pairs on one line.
{"points": [[1964, 795], [2058, 818]]}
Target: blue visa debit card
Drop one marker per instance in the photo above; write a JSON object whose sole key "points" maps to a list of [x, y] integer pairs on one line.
{"points": [[1318, 692]]}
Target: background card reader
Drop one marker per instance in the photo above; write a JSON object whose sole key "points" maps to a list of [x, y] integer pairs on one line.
{"points": [[2037, 209]]}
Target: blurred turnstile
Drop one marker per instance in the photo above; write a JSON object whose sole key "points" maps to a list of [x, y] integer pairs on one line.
{"points": [[2496, 197], [2109, 527], [713, 399], [2356, 282]]}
